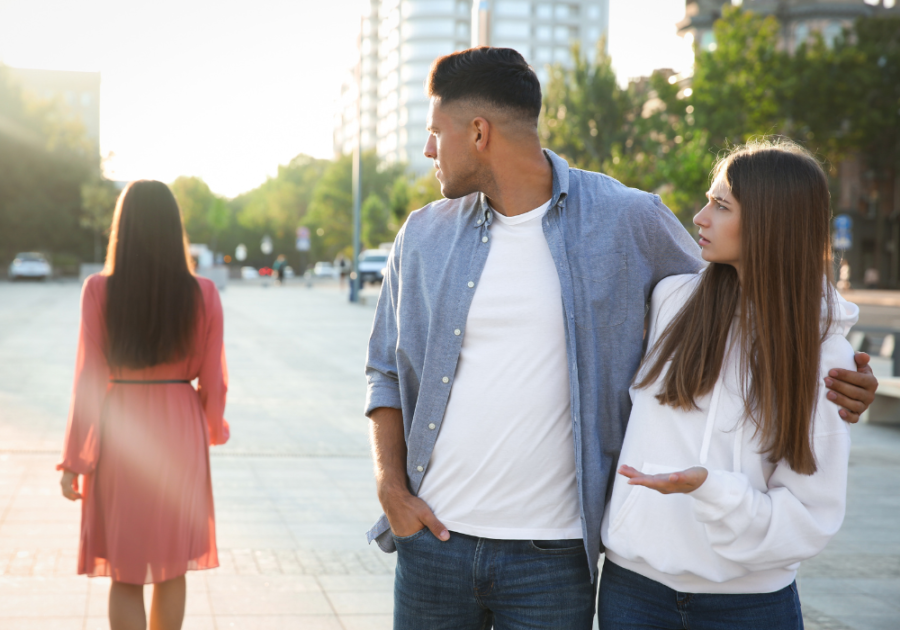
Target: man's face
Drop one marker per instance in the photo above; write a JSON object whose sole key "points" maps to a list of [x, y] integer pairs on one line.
{"points": [[451, 146]]}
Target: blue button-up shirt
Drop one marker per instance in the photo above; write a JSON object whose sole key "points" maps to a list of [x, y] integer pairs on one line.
{"points": [[610, 244]]}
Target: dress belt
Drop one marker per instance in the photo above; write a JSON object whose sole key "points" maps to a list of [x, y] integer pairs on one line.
{"points": [[127, 382]]}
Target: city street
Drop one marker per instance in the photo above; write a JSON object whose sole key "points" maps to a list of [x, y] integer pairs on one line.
{"points": [[293, 488]]}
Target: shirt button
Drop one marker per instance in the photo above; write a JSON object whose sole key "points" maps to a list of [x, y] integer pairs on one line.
{"points": [[431, 426], [479, 222], [457, 332], [419, 468], [445, 379], [484, 239], [471, 284]]}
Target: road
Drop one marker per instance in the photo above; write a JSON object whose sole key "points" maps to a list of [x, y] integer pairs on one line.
{"points": [[293, 488]]}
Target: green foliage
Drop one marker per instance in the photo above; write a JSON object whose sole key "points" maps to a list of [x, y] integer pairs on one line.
{"points": [[837, 99], [585, 110], [741, 89], [330, 215], [375, 217], [45, 159], [98, 202]]}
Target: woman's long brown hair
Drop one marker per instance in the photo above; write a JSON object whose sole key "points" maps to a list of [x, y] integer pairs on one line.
{"points": [[776, 304], [152, 295]]}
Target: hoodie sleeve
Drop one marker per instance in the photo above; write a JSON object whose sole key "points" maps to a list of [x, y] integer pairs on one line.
{"points": [[798, 514]]}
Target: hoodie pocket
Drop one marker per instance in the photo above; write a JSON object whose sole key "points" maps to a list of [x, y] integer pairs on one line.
{"points": [[661, 531]]}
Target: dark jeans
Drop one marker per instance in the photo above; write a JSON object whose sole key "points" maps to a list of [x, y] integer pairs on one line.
{"points": [[470, 583], [629, 601]]}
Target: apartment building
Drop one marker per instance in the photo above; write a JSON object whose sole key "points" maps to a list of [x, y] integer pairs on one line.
{"points": [[542, 31], [799, 18], [78, 92], [401, 38]]}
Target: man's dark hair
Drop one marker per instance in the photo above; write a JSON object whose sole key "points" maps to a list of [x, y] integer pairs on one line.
{"points": [[496, 76]]}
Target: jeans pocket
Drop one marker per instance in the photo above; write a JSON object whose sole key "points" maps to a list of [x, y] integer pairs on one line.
{"points": [[410, 538], [558, 547]]}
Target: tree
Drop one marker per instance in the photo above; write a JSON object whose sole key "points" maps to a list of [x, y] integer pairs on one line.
{"points": [[585, 110], [742, 87], [375, 218], [330, 215], [98, 201], [45, 157]]}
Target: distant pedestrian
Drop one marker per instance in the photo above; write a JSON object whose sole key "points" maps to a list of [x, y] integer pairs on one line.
{"points": [[138, 432], [279, 268], [871, 278], [343, 267]]}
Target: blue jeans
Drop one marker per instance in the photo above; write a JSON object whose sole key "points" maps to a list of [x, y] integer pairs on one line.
{"points": [[469, 583], [629, 601]]}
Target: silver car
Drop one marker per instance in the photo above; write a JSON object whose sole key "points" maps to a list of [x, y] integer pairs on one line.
{"points": [[30, 265]]}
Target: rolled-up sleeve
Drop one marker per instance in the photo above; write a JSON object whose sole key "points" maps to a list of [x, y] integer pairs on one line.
{"points": [[383, 383]]}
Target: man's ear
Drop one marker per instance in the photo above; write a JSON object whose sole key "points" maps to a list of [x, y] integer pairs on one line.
{"points": [[481, 133]]}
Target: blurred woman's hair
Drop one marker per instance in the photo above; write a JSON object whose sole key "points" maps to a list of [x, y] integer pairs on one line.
{"points": [[152, 294], [776, 304]]}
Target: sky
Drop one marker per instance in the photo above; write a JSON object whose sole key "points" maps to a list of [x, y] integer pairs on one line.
{"points": [[227, 90]]}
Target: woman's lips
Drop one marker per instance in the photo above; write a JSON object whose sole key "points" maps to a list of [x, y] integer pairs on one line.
{"points": [[703, 241]]}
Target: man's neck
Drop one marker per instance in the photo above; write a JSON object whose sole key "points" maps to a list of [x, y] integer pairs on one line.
{"points": [[521, 183]]}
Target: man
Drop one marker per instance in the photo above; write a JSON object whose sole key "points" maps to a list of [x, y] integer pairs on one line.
{"points": [[508, 329]]}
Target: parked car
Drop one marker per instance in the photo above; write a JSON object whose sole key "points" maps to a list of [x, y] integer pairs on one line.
{"points": [[371, 265], [30, 265], [249, 273], [325, 270]]}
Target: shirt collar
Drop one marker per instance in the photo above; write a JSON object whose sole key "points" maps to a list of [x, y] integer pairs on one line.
{"points": [[483, 214]]}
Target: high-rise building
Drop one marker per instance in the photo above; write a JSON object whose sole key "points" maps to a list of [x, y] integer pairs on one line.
{"points": [[412, 34], [799, 18], [542, 31], [78, 92], [346, 124], [401, 38]]}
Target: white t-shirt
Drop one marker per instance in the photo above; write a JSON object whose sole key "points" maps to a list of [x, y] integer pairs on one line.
{"points": [[503, 465]]}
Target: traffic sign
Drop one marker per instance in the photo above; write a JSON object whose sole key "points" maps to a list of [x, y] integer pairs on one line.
{"points": [[842, 238]]}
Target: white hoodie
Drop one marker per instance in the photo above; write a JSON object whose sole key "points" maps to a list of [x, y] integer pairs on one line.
{"points": [[746, 529]]}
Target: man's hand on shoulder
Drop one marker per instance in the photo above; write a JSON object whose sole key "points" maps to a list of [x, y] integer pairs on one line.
{"points": [[852, 391]]}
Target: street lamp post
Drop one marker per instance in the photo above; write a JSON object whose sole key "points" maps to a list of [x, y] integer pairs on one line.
{"points": [[357, 176]]}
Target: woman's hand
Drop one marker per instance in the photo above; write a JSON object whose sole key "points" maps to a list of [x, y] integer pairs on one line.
{"points": [[69, 483], [683, 482]]}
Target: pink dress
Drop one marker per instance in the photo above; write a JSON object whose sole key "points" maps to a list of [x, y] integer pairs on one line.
{"points": [[147, 512]]}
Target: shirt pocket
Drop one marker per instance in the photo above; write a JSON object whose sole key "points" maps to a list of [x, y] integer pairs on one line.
{"points": [[601, 290]]}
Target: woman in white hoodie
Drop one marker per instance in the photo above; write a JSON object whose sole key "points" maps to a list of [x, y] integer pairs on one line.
{"points": [[734, 464]]}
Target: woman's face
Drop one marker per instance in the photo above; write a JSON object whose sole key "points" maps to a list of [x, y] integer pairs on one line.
{"points": [[720, 225]]}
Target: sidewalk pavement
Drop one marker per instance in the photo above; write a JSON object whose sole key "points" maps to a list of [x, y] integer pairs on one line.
{"points": [[293, 488], [872, 297]]}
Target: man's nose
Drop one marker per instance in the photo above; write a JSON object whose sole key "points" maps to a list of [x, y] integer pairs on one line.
{"points": [[430, 149]]}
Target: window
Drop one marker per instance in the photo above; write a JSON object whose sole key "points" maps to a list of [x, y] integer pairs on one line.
{"points": [[543, 32], [513, 8], [543, 55], [86, 99], [520, 30], [427, 28], [566, 11], [801, 33], [462, 30], [544, 11], [593, 12], [562, 55], [561, 33], [832, 32]]}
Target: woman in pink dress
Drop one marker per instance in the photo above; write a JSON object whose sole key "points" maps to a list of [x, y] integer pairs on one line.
{"points": [[138, 432]]}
